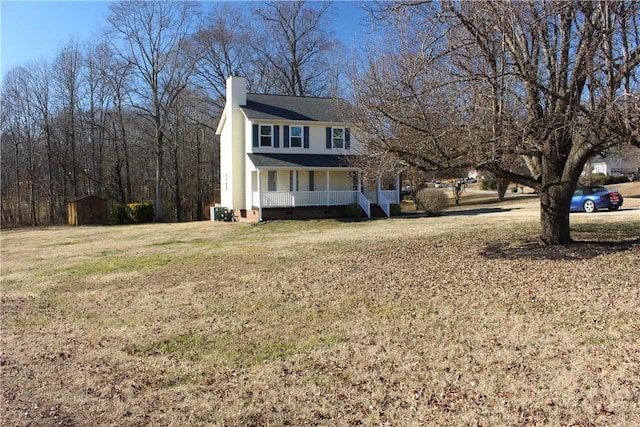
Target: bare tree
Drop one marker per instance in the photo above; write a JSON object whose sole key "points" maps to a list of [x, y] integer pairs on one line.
{"points": [[294, 47], [116, 75], [42, 104], [151, 36], [221, 46], [477, 83], [570, 62], [96, 112], [66, 73], [24, 133], [402, 105]]}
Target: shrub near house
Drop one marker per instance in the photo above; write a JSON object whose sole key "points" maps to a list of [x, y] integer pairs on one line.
{"points": [[431, 200]]}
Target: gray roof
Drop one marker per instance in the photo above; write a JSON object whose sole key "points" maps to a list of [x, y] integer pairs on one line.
{"points": [[292, 161], [281, 107]]}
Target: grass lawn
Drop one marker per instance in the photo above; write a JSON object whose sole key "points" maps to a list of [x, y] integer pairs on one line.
{"points": [[455, 320]]}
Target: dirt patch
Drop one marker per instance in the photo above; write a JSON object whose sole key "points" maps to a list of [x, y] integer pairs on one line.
{"points": [[454, 320]]}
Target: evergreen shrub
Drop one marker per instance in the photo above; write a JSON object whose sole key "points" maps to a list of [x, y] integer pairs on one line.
{"points": [[132, 213], [140, 212]]}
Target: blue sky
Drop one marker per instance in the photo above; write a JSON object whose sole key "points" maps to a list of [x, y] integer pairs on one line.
{"points": [[31, 30]]}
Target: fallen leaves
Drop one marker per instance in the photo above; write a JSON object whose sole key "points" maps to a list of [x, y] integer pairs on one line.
{"points": [[425, 321]]}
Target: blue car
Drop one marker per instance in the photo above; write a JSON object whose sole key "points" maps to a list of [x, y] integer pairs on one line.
{"points": [[594, 198]]}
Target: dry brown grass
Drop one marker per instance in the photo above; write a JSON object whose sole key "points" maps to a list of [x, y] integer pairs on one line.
{"points": [[455, 320]]}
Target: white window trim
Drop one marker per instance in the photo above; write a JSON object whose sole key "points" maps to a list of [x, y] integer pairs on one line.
{"points": [[291, 136], [333, 138]]}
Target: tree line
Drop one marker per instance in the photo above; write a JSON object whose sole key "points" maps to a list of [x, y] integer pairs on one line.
{"points": [[526, 91], [131, 114]]}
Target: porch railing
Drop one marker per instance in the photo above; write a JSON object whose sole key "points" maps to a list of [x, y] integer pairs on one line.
{"points": [[286, 199], [343, 198], [390, 195], [290, 199], [364, 204], [383, 202]]}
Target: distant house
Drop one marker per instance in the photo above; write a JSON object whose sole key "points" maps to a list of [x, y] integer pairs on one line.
{"points": [[291, 157], [615, 166], [87, 210]]}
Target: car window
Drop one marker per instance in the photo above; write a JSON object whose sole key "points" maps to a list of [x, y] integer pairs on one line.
{"points": [[577, 193]]}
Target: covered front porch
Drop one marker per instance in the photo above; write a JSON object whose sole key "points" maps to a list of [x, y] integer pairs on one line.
{"points": [[288, 182]]}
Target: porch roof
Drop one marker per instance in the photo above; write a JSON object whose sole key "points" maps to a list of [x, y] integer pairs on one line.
{"points": [[299, 161]]}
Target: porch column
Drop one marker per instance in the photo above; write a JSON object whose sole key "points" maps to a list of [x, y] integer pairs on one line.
{"points": [[294, 190], [359, 182], [398, 188], [327, 189], [259, 196]]}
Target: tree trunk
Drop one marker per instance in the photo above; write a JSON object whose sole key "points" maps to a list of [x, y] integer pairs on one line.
{"points": [[18, 205], [125, 147], [199, 213], [561, 164], [159, 166], [159, 192], [176, 167], [502, 185], [50, 177], [555, 201]]}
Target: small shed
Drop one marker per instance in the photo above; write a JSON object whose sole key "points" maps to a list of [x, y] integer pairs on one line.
{"points": [[87, 210]]}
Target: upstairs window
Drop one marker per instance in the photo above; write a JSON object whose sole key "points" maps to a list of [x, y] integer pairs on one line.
{"points": [[266, 136], [337, 137], [295, 136]]}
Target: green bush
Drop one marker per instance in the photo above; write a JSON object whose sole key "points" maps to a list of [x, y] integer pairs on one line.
{"points": [[431, 200], [132, 212], [488, 184], [596, 179], [140, 212], [614, 180], [120, 214], [353, 210], [395, 209], [602, 179]]}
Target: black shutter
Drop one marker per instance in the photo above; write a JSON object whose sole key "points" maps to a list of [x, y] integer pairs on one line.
{"points": [[286, 137], [276, 136], [256, 135], [306, 137], [328, 138], [347, 138]]}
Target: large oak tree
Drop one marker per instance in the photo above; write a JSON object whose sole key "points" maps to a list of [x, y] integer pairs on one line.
{"points": [[479, 84]]}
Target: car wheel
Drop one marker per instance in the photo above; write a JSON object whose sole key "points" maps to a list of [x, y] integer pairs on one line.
{"points": [[589, 206]]}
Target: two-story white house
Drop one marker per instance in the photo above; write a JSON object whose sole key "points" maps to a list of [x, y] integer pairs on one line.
{"points": [[290, 157]]}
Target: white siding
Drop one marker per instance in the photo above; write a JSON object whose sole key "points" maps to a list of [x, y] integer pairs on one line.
{"points": [[232, 150]]}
